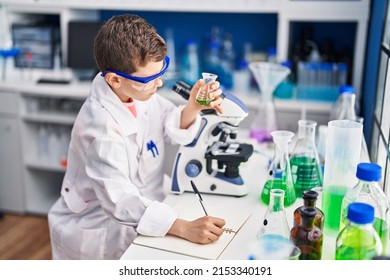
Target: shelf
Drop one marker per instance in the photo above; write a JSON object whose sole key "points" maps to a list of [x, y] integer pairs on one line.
{"points": [[54, 118], [45, 165], [252, 100], [73, 90], [247, 6]]}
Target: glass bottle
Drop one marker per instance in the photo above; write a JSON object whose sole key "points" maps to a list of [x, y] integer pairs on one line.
{"points": [[307, 236], [275, 225], [344, 107], [279, 174], [190, 62], [309, 200], [368, 191], [358, 240], [202, 96], [305, 162]]}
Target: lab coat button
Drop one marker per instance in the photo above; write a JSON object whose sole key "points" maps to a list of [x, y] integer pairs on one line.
{"points": [[67, 189]]}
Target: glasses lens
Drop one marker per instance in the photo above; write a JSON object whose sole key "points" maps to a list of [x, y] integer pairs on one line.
{"points": [[147, 86]]}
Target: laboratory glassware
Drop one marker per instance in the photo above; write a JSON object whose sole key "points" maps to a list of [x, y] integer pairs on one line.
{"points": [[274, 233], [344, 107], [343, 145], [368, 191], [309, 200], [190, 62], [275, 223], [321, 142], [279, 173], [268, 76], [358, 240], [307, 236], [305, 163], [202, 97], [273, 247], [6, 54]]}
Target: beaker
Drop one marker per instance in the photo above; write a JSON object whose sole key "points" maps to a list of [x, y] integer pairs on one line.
{"points": [[304, 159], [342, 155], [268, 76], [279, 173], [202, 97]]}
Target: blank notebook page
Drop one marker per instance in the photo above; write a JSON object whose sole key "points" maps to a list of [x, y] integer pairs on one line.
{"points": [[189, 208]]}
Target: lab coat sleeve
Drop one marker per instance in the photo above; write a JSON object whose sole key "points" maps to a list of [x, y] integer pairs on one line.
{"points": [[107, 166], [173, 130]]}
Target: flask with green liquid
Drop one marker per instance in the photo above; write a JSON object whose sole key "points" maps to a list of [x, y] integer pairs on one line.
{"points": [[279, 173], [202, 97], [305, 162], [358, 240], [368, 191]]}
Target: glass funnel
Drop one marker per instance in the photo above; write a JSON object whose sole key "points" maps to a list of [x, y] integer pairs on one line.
{"points": [[202, 97], [305, 162], [268, 76], [279, 174]]}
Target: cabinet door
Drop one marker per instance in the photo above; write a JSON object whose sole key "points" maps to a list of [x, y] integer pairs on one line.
{"points": [[11, 191]]}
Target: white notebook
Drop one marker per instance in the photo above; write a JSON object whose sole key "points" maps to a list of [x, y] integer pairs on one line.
{"points": [[189, 208]]}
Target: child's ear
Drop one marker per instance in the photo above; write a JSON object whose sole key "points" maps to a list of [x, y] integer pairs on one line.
{"points": [[113, 80]]}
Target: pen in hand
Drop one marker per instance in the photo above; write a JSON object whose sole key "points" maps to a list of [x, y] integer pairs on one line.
{"points": [[227, 230], [199, 196]]}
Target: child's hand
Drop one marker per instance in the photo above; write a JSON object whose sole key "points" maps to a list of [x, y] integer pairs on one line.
{"points": [[214, 95], [204, 230]]}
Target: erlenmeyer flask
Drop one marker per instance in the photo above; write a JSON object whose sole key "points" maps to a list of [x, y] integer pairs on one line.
{"points": [[275, 225], [279, 174], [202, 97], [268, 76], [305, 163]]}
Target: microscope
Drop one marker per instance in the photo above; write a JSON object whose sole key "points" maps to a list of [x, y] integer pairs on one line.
{"points": [[213, 158]]}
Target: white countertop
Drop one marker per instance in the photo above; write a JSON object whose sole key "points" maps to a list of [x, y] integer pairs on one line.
{"points": [[254, 173]]}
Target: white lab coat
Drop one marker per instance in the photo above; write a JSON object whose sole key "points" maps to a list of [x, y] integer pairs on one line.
{"points": [[113, 184]]}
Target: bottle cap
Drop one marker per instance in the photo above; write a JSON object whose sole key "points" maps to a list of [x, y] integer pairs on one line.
{"points": [[309, 194], [271, 51], [368, 171], [360, 213], [346, 89], [287, 63], [308, 212]]}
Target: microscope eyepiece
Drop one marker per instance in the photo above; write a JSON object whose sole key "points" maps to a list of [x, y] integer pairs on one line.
{"points": [[183, 89]]}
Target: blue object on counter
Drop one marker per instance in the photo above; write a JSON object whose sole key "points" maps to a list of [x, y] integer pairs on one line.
{"points": [[6, 53], [9, 52]]}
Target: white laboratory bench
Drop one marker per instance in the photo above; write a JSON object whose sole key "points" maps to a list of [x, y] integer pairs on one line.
{"points": [[254, 173]]}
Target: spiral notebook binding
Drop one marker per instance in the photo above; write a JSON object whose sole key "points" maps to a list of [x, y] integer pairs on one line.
{"points": [[229, 230]]}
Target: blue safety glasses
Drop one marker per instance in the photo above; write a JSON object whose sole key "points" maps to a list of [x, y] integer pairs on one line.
{"points": [[143, 80]]}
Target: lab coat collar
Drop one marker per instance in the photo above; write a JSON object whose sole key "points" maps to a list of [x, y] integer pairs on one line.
{"points": [[115, 107]]}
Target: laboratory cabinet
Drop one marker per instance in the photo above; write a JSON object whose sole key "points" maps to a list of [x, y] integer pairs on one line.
{"points": [[35, 124], [11, 183], [46, 124]]}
